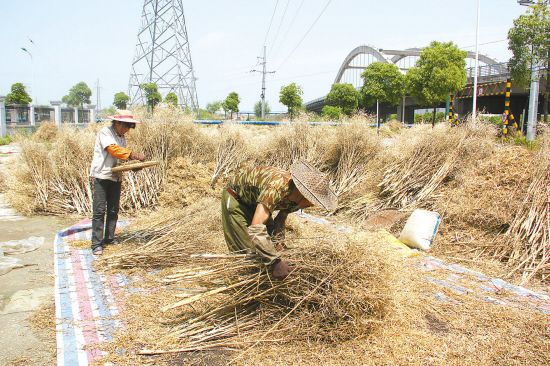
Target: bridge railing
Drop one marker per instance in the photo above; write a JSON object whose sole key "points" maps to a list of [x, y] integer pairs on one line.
{"points": [[488, 73]]}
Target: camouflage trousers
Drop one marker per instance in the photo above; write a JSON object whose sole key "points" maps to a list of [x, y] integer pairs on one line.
{"points": [[236, 218]]}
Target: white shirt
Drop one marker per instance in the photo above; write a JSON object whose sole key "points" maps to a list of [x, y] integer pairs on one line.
{"points": [[103, 162]]}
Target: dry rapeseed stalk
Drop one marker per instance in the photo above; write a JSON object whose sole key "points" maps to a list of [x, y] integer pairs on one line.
{"points": [[349, 154], [186, 183], [176, 235], [297, 141], [433, 159], [46, 132], [232, 151], [530, 229], [340, 289]]}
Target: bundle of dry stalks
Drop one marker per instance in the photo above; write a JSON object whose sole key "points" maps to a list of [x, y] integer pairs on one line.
{"points": [[172, 237], [232, 151], [530, 229], [46, 132], [187, 182], [339, 289], [296, 141], [53, 177], [480, 204], [170, 133], [348, 154], [431, 160], [51, 174]]}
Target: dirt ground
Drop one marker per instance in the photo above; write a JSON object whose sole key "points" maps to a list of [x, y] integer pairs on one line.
{"points": [[23, 290]]}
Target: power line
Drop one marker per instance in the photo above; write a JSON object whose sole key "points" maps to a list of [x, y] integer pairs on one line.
{"points": [[279, 27], [480, 44], [292, 22], [271, 21], [305, 35]]}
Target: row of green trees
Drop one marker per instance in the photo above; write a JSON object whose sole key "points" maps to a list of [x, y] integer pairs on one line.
{"points": [[80, 94], [439, 72], [77, 96]]}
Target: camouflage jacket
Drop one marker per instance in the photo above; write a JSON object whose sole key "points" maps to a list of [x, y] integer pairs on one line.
{"points": [[267, 185]]}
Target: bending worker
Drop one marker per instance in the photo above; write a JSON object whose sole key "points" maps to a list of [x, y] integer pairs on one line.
{"points": [[110, 147], [253, 195]]}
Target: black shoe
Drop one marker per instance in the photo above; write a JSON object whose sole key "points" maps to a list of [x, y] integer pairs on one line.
{"points": [[111, 242], [97, 250]]}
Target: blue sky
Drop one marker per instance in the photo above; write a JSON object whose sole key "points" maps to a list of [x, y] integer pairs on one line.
{"points": [[77, 40]]}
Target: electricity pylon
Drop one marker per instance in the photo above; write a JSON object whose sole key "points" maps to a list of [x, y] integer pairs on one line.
{"points": [[162, 54]]}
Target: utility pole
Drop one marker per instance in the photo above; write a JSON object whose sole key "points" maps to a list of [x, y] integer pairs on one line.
{"points": [[98, 97], [263, 63], [474, 105]]}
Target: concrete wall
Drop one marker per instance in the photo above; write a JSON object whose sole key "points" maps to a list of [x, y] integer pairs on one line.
{"points": [[17, 118]]}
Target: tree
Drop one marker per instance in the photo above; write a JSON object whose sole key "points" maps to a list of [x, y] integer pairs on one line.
{"points": [[439, 71], [344, 96], [529, 41], [331, 112], [171, 99], [383, 82], [18, 95], [107, 112], [78, 95], [214, 106], [231, 103], [121, 100], [258, 109], [152, 95], [291, 97]]}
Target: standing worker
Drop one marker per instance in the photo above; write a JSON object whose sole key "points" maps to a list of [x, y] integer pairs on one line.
{"points": [[250, 199], [110, 147]]}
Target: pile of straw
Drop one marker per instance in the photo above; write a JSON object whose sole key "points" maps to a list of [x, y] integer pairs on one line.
{"points": [[47, 132], [187, 182], [433, 159], [340, 288], [169, 239], [478, 207], [297, 141], [53, 177], [530, 230], [51, 174], [348, 156], [232, 151]]}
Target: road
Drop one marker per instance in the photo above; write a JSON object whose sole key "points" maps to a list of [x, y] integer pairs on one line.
{"points": [[23, 290]]}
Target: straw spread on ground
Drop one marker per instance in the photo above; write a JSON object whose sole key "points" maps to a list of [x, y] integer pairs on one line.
{"points": [[171, 239], [351, 299], [290, 321]]}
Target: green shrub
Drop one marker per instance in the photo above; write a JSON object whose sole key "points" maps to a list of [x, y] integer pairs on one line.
{"points": [[330, 112], [5, 140], [427, 117]]}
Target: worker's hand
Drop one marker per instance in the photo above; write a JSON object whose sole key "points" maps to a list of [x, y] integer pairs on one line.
{"points": [[280, 269], [137, 156]]}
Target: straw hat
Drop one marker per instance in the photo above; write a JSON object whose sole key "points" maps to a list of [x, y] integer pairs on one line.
{"points": [[313, 185], [124, 116]]}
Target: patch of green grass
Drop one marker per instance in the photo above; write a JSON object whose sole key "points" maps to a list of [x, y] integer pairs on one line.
{"points": [[5, 140], [522, 141]]}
